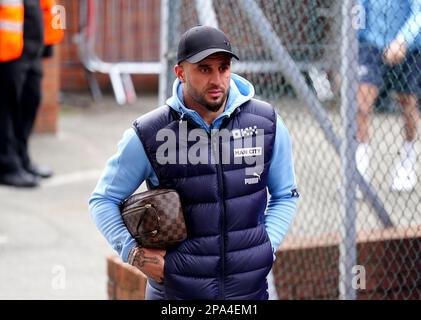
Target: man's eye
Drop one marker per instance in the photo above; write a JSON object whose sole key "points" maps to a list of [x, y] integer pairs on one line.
{"points": [[204, 70]]}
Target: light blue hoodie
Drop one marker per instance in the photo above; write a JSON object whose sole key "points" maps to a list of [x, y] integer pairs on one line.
{"points": [[129, 167], [387, 20]]}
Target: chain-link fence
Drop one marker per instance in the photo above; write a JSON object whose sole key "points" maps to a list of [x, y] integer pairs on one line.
{"points": [[323, 65]]}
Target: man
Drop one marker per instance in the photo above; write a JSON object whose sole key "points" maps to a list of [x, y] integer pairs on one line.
{"points": [[390, 57], [231, 242], [22, 44]]}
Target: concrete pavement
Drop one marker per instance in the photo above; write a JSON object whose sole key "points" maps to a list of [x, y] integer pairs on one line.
{"points": [[49, 247]]}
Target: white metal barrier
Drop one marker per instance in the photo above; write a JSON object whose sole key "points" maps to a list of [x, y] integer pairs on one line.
{"points": [[103, 26]]}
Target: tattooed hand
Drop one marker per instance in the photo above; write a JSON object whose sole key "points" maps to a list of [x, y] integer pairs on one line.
{"points": [[149, 261]]}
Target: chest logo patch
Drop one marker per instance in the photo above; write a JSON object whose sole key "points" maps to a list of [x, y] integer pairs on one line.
{"points": [[247, 152]]}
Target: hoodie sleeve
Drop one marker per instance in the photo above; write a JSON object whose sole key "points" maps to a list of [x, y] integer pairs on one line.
{"points": [[282, 188], [123, 174], [412, 27]]}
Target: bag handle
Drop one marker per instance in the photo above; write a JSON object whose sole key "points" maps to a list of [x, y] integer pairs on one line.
{"points": [[152, 233]]}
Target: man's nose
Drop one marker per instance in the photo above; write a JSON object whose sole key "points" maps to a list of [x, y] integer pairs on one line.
{"points": [[215, 78]]}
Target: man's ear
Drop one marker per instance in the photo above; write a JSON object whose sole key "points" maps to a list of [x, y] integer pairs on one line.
{"points": [[180, 72]]}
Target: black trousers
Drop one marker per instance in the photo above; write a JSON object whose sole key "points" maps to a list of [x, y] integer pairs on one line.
{"points": [[20, 97]]}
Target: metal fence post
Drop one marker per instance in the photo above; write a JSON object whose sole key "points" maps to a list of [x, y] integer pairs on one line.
{"points": [[163, 76], [206, 13], [349, 108]]}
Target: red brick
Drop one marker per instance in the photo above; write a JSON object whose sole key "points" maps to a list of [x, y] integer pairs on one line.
{"points": [[122, 294], [405, 294], [304, 290], [326, 286], [393, 270], [377, 278], [370, 295], [112, 264], [129, 277], [137, 295], [368, 251], [121, 275], [124, 281], [111, 290], [285, 292], [46, 120], [126, 294], [410, 278]]}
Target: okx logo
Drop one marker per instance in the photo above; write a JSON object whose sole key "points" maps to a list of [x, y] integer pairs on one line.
{"points": [[246, 132]]}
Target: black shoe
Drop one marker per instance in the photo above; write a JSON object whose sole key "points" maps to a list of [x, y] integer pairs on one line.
{"points": [[20, 179], [40, 171]]}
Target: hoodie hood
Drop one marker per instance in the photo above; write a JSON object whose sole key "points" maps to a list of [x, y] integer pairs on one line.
{"points": [[240, 91]]}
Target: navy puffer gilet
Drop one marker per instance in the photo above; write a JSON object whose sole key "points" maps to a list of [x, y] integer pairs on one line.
{"points": [[227, 254]]}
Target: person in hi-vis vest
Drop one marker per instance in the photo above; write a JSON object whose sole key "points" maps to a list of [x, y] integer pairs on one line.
{"points": [[27, 34]]}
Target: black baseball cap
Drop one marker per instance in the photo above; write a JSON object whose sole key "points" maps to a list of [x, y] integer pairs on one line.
{"points": [[200, 42]]}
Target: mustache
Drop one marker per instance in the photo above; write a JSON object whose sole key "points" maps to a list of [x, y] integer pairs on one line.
{"points": [[216, 88]]}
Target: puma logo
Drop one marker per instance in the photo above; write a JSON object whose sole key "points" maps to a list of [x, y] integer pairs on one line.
{"points": [[254, 180]]}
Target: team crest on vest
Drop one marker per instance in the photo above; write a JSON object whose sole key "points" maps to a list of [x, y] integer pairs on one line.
{"points": [[246, 132]]}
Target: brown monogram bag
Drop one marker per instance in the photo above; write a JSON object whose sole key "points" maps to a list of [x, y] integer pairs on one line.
{"points": [[155, 218]]}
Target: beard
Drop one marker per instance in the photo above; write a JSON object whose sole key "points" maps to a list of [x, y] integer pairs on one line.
{"points": [[210, 104]]}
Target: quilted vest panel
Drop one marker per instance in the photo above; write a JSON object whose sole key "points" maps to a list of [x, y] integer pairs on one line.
{"points": [[221, 178]]}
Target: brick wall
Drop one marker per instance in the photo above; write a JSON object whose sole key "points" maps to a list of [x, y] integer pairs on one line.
{"points": [[393, 271], [124, 281], [65, 72], [392, 264], [47, 116], [72, 74]]}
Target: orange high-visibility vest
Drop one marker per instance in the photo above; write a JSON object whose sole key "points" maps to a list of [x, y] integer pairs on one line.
{"points": [[52, 34], [11, 29]]}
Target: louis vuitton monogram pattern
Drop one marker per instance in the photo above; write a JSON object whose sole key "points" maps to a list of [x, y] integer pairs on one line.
{"points": [[155, 218]]}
